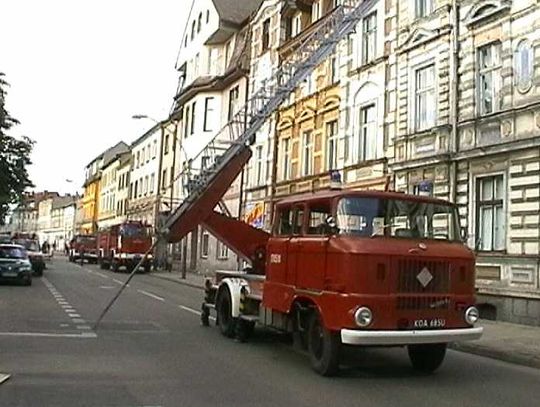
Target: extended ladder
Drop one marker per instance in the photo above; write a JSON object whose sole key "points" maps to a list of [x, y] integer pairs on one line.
{"points": [[223, 158]]}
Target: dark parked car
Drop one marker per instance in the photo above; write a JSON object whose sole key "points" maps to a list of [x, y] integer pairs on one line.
{"points": [[15, 264], [34, 253]]}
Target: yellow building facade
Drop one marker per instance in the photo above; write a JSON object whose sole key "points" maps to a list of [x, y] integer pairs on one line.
{"points": [[90, 206]]}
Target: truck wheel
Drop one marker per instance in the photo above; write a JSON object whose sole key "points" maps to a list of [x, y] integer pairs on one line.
{"points": [[224, 313], [323, 347], [114, 266], [427, 358], [205, 315], [101, 264], [244, 329]]}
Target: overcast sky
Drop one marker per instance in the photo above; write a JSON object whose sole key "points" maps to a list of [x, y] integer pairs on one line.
{"points": [[79, 69]]}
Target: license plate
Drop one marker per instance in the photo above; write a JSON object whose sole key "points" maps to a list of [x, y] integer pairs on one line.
{"points": [[9, 274], [429, 323]]}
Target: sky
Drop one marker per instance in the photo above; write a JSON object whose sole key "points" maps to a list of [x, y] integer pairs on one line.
{"points": [[79, 70]]}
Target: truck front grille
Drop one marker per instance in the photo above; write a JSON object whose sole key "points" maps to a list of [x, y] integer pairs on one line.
{"points": [[423, 303], [413, 276]]}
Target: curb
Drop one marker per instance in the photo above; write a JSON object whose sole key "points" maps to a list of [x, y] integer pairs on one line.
{"points": [[494, 353], [181, 282]]}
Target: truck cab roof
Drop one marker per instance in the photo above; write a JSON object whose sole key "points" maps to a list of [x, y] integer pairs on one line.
{"points": [[339, 193]]}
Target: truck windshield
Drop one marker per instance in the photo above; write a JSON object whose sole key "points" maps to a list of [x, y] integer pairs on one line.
{"points": [[87, 241], [132, 230], [400, 218]]}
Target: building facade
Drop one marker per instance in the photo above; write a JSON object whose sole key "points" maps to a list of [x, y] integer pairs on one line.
{"points": [[122, 189], [92, 196], [213, 67], [145, 177]]}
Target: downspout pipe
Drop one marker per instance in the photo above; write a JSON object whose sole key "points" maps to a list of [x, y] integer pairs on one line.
{"points": [[454, 143]]}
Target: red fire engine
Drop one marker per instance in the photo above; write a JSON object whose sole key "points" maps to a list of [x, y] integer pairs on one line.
{"points": [[124, 245], [351, 268], [85, 246], [339, 267]]}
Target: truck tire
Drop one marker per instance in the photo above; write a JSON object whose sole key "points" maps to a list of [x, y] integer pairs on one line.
{"points": [[114, 266], [244, 329], [224, 313], [323, 347], [427, 358], [101, 264]]}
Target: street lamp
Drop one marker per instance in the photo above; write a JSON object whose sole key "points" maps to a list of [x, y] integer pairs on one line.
{"points": [[143, 116]]}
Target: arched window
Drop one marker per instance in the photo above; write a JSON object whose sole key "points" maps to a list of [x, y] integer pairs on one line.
{"points": [[193, 29], [199, 23], [207, 16], [523, 65]]}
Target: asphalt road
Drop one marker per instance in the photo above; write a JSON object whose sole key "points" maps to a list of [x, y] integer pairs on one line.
{"points": [[151, 351]]}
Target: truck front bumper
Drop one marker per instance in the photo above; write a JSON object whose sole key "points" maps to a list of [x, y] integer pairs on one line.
{"points": [[396, 338]]}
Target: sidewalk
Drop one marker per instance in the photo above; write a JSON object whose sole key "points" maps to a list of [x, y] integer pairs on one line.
{"points": [[519, 344]]}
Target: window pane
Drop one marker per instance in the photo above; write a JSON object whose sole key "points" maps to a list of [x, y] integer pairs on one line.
{"points": [[486, 228], [499, 228], [499, 191], [487, 189]]}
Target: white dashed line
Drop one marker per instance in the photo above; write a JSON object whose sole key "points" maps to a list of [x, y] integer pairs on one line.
{"points": [[102, 275], [151, 295], [118, 281], [193, 311], [82, 335], [70, 311]]}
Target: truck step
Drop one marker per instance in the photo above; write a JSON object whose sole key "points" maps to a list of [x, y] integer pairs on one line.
{"points": [[249, 318]]}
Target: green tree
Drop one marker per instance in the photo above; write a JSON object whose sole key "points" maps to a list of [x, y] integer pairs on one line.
{"points": [[14, 159]]}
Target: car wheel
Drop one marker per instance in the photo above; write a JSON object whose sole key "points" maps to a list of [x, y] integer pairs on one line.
{"points": [[323, 347], [427, 358]]}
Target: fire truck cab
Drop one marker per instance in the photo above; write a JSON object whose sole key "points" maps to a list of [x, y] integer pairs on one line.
{"points": [[124, 245], [83, 246], [362, 268]]}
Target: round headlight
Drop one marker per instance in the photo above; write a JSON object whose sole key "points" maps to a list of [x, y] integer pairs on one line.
{"points": [[471, 315], [363, 317]]}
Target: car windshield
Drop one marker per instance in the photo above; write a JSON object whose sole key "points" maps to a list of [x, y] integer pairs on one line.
{"points": [[401, 218], [30, 245], [134, 230], [10, 252]]}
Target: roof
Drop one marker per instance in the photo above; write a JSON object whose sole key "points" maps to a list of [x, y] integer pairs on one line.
{"points": [[336, 193], [236, 11], [149, 132], [110, 153], [64, 202]]}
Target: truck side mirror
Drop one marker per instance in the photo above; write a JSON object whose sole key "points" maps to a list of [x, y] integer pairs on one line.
{"points": [[331, 225], [464, 234]]}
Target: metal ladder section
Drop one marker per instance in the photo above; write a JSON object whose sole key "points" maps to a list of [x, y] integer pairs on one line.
{"points": [[239, 134]]}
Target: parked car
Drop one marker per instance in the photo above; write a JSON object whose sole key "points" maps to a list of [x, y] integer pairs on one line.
{"points": [[34, 253], [15, 264]]}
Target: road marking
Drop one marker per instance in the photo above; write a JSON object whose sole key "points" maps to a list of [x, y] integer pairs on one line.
{"points": [[83, 327], [82, 335], [193, 311], [89, 271], [118, 281], [102, 275], [73, 315], [64, 325], [107, 287], [151, 295], [78, 320], [4, 377]]}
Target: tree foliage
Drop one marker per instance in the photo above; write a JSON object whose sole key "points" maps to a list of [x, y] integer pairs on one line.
{"points": [[14, 159]]}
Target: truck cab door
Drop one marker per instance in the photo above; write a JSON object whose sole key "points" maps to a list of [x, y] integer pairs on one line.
{"points": [[312, 249], [295, 244]]}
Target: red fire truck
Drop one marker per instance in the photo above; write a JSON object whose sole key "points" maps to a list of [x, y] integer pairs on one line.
{"points": [[124, 245], [339, 267], [85, 246], [351, 268]]}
